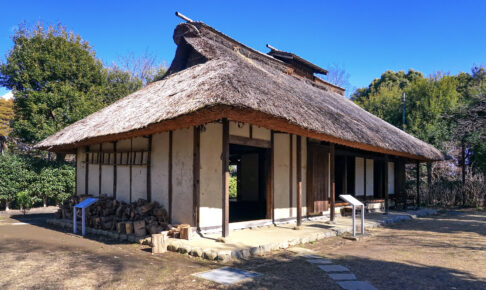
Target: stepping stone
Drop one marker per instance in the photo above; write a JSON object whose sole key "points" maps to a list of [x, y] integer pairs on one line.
{"points": [[311, 256], [342, 277], [356, 285], [333, 268], [319, 261], [227, 275]]}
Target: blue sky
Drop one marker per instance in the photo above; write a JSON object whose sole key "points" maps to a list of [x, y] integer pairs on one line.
{"points": [[365, 37]]}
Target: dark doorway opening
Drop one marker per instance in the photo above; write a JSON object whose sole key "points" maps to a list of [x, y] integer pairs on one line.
{"points": [[378, 178], [345, 174], [248, 180]]}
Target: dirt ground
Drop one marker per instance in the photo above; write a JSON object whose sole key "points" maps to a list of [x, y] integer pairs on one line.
{"points": [[444, 251]]}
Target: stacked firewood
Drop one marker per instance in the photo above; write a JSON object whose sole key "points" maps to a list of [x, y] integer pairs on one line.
{"points": [[139, 218]]}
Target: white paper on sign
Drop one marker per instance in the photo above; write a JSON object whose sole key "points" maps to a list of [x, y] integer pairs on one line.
{"points": [[351, 199]]}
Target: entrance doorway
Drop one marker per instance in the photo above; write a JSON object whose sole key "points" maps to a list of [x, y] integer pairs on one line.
{"points": [[248, 176]]}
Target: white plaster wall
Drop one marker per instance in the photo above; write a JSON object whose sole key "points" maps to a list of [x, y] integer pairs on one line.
{"points": [[261, 133], [139, 182], [94, 179], [281, 175], [140, 144], [294, 177], [81, 170], [107, 179], [123, 182], [369, 177], [211, 178], [304, 176], [359, 176], [160, 168], [183, 142], [244, 131], [123, 145], [391, 177]]}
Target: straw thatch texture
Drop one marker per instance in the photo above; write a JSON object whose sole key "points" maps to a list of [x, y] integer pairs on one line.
{"points": [[210, 70]]}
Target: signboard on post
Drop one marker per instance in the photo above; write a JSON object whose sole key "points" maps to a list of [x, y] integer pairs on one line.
{"points": [[82, 205], [355, 203]]}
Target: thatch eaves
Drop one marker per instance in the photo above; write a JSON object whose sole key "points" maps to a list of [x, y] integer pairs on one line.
{"points": [[213, 76]]}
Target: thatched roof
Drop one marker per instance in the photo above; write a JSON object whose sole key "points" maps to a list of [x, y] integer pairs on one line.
{"points": [[213, 76]]}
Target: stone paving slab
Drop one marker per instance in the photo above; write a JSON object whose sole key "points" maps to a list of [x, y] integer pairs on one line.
{"points": [[227, 275], [356, 285], [333, 268], [342, 277], [319, 261]]}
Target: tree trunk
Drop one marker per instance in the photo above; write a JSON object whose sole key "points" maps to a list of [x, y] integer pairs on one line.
{"points": [[45, 201], [7, 203]]}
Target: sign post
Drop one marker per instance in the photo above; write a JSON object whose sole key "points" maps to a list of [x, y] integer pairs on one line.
{"points": [[82, 205], [355, 203]]}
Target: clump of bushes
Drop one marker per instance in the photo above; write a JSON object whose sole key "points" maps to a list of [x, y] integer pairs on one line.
{"points": [[26, 181]]}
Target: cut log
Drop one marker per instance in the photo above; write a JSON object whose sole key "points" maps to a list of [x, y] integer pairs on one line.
{"points": [[128, 228], [186, 232], [139, 228], [159, 243], [120, 227]]}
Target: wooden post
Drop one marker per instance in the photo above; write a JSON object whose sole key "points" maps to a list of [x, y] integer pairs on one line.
{"points": [[170, 177], [291, 176], [385, 181], [149, 170], [86, 177], [76, 159], [418, 183], [195, 175], [333, 182], [225, 169], [130, 161], [463, 162], [100, 160], [429, 181], [272, 174], [114, 170], [364, 189], [299, 181]]}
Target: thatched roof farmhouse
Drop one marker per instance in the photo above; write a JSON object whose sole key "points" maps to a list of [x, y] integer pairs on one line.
{"points": [[222, 103]]}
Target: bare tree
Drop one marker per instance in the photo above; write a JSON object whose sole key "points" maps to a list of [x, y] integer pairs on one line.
{"points": [[144, 67], [338, 76]]}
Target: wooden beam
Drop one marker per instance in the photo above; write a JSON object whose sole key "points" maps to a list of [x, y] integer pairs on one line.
{"points": [[418, 182], [226, 177], [299, 181], [251, 131], [196, 176], [170, 177], [114, 170], [86, 177], [385, 181], [149, 169], [429, 176], [249, 142], [291, 175], [333, 182]]}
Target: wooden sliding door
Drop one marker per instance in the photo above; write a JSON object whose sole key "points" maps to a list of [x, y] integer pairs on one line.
{"points": [[317, 178]]}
